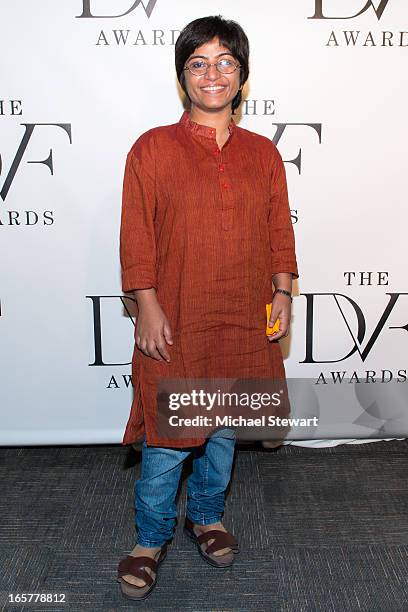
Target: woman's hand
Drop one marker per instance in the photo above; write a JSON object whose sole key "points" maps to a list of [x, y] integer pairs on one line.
{"points": [[152, 327], [281, 308]]}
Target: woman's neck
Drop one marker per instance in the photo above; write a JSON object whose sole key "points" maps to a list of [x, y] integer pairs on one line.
{"points": [[219, 120]]}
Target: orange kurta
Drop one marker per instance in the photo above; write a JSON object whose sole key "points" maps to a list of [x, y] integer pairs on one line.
{"points": [[207, 228]]}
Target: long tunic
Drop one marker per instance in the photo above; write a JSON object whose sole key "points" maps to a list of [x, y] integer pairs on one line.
{"points": [[207, 228]]}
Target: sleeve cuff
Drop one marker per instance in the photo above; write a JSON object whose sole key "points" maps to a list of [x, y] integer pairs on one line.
{"points": [[288, 268], [133, 279]]}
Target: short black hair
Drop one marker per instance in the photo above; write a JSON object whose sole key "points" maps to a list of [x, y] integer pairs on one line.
{"points": [[202, 30]]}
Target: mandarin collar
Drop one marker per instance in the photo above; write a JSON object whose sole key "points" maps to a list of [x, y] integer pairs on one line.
{"points": [[202, 130]]}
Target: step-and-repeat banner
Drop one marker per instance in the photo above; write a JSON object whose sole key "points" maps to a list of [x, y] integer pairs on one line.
{"points": [[80, 81]]}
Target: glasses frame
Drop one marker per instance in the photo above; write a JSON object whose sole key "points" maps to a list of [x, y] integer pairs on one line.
{"points": [[237, 65]]}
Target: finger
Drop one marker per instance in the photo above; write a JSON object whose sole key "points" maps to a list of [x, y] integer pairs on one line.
{"points": [[143, 347], [284, 320], [277, 313], [152, 350], [161, 347], [272, 318], [167, 333], [154, 354], [283, 331]]}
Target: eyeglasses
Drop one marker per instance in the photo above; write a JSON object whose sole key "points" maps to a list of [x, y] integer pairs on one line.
{"points": [[199, 67]]}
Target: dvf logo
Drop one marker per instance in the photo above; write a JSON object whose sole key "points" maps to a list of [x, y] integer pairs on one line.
{"points": [[378, 11], [15, 164], [357, 338], [86, 9]]}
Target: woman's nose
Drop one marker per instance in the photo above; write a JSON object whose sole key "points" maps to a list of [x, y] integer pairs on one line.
{"points": [[212, 72]]}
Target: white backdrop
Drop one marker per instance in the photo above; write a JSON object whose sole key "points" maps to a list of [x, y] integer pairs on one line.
{"points": [[80, 83]]}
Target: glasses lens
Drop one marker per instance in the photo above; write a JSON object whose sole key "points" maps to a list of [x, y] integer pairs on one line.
{"points": [[226, 65], [200, 67], [197, 67]]}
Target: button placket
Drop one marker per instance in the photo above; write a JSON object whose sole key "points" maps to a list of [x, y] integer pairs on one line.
{"points": [[227, 196], [226, 186], [227, 208]]}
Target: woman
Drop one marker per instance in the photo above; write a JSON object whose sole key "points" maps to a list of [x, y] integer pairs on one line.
{"points": [[205, 229]]}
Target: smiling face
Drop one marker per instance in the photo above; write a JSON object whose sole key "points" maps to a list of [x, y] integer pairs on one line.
{"points": [[213, 90]]}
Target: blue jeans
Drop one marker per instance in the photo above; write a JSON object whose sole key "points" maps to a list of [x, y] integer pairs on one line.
{"points": [[156, 489]]}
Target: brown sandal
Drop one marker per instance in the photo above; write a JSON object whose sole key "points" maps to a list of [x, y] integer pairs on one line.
{"points": [[134, 566], [221, 539]]}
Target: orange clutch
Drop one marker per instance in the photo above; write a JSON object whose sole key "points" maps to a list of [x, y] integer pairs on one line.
{"points": [[275, 328]]}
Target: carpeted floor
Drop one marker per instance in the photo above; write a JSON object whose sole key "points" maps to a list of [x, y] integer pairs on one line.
{"points": [[319, 529]]}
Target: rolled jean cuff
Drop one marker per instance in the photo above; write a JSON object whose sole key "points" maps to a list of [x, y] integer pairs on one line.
{"points": [[198, 518], [149, 543]]}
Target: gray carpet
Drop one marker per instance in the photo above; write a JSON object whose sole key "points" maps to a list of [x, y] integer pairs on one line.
{"points": [[319, 530]]}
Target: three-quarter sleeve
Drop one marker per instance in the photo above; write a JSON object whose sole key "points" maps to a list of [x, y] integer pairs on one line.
{"points": [[137, 235], [281, 234]]}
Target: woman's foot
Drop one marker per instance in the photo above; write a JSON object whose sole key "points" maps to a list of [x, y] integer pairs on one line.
{"points": [[143, 551], [199, 529]]}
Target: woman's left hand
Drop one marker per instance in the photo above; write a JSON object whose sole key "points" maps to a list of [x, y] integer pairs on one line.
{"points": [[281, 308]]}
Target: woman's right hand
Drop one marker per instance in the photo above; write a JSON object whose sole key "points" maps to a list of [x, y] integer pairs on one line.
{"points": [[152, 327]]}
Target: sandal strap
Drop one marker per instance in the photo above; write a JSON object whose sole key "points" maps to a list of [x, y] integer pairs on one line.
{"points": [[134, 566], [221, 539], [138, 573]]}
